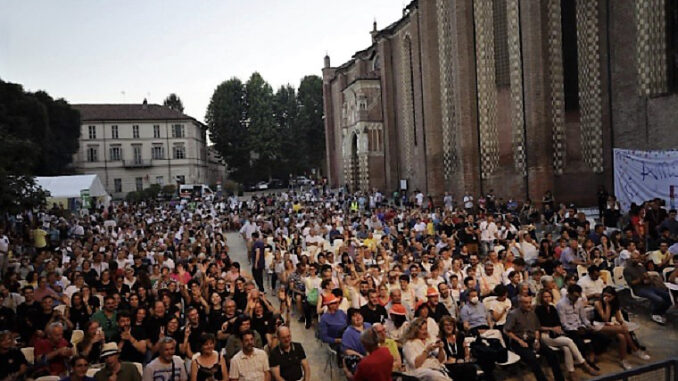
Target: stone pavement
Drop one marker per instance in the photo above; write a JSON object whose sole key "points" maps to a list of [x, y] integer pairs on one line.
{"points": [[661, 342]]}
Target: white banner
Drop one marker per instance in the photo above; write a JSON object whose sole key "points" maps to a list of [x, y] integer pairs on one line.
{"points": [[643, 175]]}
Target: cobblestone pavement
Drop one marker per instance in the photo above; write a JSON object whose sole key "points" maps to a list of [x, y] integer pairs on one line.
{"points": [[661, 342]]}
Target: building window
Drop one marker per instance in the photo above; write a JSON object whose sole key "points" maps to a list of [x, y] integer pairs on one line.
{"points": [[181, 179], [157, 152], [179, 151], [135, 131], [92, 132], [156, 131], [115, 153], [139, 181], [114, 132], [177, 130], [92, 155], [159, 180], [136, 153], [117, 185]]}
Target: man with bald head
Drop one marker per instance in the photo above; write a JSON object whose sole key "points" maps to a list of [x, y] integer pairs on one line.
{"points": [[288, 360]]}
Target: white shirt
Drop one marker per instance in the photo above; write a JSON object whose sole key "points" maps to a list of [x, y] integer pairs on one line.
{"points": [[498, 306], [488, 231], [249, 368], [468, 201], [590, 286], [413, 348]]}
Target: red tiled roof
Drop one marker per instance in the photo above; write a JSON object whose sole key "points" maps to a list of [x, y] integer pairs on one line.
{"points": [[97, 112]]}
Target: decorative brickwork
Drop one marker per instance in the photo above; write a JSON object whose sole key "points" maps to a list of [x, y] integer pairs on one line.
{"points": [[487, 92], [447, 90], [407, 118], [516, 78], [555, 70], [363, 172], [650, 16], [590, 98]]}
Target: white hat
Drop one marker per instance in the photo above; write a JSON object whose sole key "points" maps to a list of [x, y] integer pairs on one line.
{"points": [[109, 349]]}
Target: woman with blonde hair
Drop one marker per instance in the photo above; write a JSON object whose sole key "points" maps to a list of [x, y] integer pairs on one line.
{"points": [[424, 355]]}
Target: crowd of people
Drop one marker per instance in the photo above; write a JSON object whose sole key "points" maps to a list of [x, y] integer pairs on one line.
{"points": [[394, 285]]}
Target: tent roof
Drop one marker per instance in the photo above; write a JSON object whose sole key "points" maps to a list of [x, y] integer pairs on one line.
{"points": [[70, 186]]}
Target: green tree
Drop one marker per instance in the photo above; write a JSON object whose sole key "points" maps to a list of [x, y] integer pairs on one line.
{"points": [[38, 136], [225, 120], [310, 120], [291, 147], [174, 102], [261, 126], [62, 136]]}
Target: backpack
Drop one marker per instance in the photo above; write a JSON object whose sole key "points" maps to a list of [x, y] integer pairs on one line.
{"points": [[312, 297], [489, 350]]}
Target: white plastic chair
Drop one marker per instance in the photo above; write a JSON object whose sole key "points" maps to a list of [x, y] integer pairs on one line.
{"points": [[666, 272], [29, 354], [140, 368], [76, 337], [48, 378], [61, 308]]}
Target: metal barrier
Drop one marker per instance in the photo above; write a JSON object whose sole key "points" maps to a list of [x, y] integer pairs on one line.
{"points": [[666, 370]]}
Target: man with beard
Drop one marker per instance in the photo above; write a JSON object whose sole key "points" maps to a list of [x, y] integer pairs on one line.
{"points": [[250, 363], [447, 300], [360, 299], [131, 340], [373, 312]]}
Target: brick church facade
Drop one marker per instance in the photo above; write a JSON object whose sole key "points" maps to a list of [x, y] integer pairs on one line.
{"points": [[518, 96]]}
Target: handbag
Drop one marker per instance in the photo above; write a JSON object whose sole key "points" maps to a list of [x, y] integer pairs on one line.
{"points": [[312, 296], [489, 350]]}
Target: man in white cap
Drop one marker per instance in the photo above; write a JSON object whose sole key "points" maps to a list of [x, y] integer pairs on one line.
{"points": [[115, 369]]}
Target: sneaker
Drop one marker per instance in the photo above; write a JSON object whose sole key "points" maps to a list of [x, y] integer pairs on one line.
{"points": [[659, 319], [642, 355], [625, 364]]}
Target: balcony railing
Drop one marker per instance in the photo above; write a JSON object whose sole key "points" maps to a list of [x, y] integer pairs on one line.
{"points": [[137, 163]]}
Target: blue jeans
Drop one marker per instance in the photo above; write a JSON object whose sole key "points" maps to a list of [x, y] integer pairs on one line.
{"points": [[660, 299]]}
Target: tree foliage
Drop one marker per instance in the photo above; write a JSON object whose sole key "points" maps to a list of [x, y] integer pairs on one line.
{"points": [[174, 102], [262, 134], [225, 119], [38, 136]]}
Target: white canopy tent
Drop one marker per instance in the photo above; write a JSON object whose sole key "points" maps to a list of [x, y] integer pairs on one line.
{"points": [[63, 188]]}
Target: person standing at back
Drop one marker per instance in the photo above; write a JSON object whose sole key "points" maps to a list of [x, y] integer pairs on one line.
{"points": [[258, 262]]}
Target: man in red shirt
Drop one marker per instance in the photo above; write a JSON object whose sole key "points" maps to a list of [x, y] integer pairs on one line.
{"points": [[53, 352], [377, 365]]}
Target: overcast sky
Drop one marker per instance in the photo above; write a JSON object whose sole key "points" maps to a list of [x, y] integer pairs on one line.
{"points": [[122, 51]]}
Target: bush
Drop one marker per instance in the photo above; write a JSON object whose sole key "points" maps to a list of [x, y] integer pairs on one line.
{"points": [[231, 187], [169, 189]]}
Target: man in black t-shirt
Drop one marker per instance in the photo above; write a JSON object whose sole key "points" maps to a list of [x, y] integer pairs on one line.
{"points": [[12, 361], [288, 360], [131, 340], [373, 312]]}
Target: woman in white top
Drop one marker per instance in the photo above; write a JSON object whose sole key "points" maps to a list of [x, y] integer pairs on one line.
{"points": [[423, 354]]}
